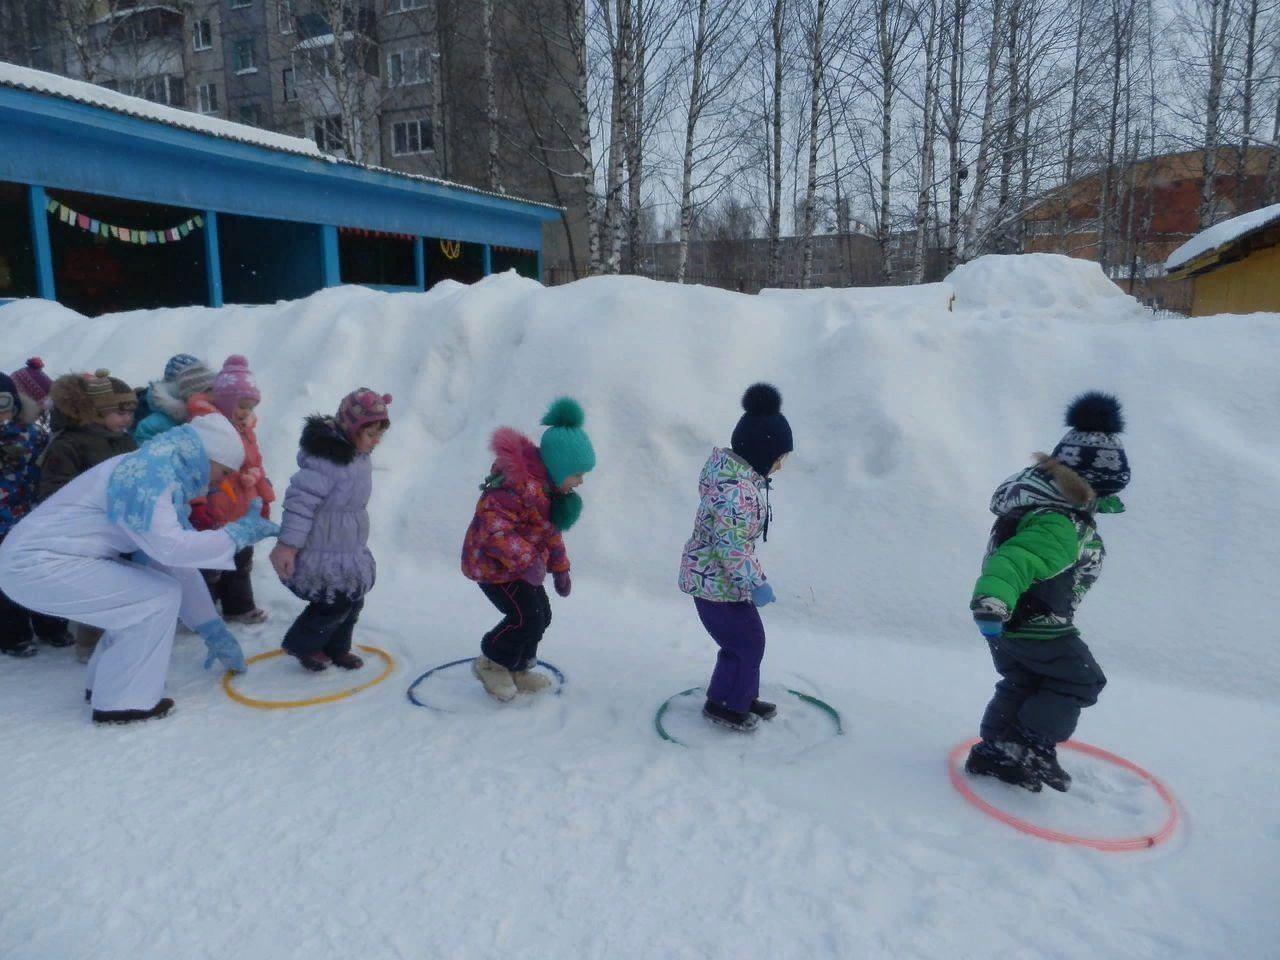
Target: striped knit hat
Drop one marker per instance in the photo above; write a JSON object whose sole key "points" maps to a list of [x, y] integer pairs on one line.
{"points": [[32, 381], [106, 392], [194, 378]]}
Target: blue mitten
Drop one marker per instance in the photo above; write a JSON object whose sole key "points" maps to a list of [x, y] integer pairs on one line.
{"points": [[989, 614], [762, 595], [222, 646], [252, 527]]}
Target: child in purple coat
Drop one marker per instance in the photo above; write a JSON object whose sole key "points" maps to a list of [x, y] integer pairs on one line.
{"points": [[322, 555]]}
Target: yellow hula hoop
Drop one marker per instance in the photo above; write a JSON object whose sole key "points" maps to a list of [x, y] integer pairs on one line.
{"points": [[389, 666]]}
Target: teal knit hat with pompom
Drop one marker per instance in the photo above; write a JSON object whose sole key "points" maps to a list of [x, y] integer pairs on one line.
{"points": [[566, 449]]}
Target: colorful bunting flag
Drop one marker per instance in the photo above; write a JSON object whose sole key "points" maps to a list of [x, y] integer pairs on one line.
{"points": [[72, 218]]}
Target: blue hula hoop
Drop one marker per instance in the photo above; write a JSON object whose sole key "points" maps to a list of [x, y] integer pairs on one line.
{"points": [[549, 667]]}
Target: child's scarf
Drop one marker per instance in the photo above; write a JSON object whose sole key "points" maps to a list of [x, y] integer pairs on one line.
{"points": [[175, 459]]}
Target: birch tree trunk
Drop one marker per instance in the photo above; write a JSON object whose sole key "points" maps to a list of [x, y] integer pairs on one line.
{"points": [[636, 134], [932, 67], [1243, 199], [775, 159], [982, 167], [1271, 187], [1008, 138], [690, 131], [1073, 118], [955, 110], [490, 93], [577, 19], [815, 113], [1219, 22]]}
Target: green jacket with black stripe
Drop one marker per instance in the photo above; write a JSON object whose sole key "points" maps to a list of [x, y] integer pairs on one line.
{"points": [[1044, 553]]}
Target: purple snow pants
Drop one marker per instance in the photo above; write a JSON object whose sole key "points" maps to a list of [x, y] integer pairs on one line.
{"points": [[737, 630]]}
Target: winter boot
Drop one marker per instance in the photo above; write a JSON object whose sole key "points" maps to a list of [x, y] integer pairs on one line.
{"points": [[988, 759], [21, 650], [347, 661], [161, 709], [1041, 755], [529, 682], [741, 722], [315, 662], [250, 617], [764, 709], [496, 678], [62, 638]]}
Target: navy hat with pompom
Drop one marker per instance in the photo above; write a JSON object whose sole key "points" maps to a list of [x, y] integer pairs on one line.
{"points": [[762, 434], [1092, 446]]}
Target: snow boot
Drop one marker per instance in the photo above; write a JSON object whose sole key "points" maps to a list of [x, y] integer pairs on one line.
{"points": [[529, 682], [764, 709], [250, 617], [496, 678], [161, 709], [21, 650], [723, 716], [347, 661], [62, 638], [315, 662], [988, 759], [1042, 756]]}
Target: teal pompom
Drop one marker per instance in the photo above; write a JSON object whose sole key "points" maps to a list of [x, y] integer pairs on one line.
{"points": [[564, 412], [566, 508]]}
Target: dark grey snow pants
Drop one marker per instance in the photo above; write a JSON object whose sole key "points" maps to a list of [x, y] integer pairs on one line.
{"points": [[1043, 686]]}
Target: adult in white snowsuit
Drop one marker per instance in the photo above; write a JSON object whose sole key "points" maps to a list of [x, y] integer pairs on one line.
{"points": [[114, 549]]}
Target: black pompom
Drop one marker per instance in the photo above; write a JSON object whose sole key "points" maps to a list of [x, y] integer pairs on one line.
{"points": [[1095, 412], [762, 400]]}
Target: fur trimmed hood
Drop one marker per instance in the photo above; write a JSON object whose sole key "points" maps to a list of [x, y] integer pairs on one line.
{"points": [[323, 438], [517, 458], [1049, 483], [71, 399], [164, 398], [1073, 486]]}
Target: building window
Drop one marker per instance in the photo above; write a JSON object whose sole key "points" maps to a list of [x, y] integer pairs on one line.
{"points": [[207, 97], [409, 67], [286, 16], [161, 89], [395, 6], [244, 60], [250, 113], [287, 86], [413, 136], [328, 134], [202, 35]]}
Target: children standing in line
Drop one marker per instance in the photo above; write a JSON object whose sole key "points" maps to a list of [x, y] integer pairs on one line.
{"points": [[185, 377], [719, 568], [323, 555], [21, 444], [236, 396], [1043, 556], [514, 540], [91, 418]]}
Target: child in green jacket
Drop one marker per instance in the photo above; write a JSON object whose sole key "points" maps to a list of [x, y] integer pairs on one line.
{"points": [[1043, 556]]}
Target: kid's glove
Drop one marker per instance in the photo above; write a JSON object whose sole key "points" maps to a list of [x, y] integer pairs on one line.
{"points": [[222, 646], [762, 595], [252, 527], [989, 614], [562, 582], [536, 573]]}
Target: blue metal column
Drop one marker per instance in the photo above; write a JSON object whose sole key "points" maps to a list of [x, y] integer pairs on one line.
{"points": [[488, 259], [330, 270], [40, 241], [419, 264], [212, 259]]}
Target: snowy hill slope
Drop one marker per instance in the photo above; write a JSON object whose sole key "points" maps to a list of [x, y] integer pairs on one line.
{"points": [[565, 827]]}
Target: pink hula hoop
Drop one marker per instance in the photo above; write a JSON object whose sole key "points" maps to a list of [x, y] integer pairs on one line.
{"points": [[955, 757]]}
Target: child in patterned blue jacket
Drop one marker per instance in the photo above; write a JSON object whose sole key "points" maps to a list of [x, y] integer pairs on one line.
{"points": [[719, 568]]}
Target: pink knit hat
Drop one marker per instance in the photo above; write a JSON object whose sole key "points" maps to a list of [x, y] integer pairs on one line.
{"points": [[32, 381], [235, 382], [359, 408]]}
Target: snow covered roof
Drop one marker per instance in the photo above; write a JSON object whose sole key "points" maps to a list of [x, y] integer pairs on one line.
{"points": [[1222, 234], [38, 81]]}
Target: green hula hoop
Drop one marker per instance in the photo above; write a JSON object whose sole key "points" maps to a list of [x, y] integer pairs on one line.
{"points": [[822, 705]]}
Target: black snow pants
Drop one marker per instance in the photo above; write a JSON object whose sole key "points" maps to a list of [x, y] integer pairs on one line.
{"points": [[1043, 687], [526, 614]]}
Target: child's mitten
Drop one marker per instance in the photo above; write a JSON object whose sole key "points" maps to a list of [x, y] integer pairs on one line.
{"points": [[762, 595], [989, 614], [252, 527], [562, 582]]}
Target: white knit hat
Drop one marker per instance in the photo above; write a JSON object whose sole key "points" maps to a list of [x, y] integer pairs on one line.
{"points": [[221, 442]]}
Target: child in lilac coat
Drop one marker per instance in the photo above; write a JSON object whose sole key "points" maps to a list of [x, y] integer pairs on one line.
{"points": [[322, 555]]}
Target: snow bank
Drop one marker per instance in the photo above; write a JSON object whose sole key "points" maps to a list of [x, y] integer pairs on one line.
{"points": [[1220, 234], [906, 416]]}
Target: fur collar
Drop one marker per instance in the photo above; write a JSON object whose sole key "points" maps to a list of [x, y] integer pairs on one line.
{"points": [[164, 398], [517, 458], [1073, 486], [71, 403], [322, 438]]}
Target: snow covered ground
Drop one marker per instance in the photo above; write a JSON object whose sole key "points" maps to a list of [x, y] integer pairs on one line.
{"points": [[565, 827]]}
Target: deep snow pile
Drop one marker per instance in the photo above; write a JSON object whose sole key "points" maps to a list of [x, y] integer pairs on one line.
{"points": [[568, 829]]}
